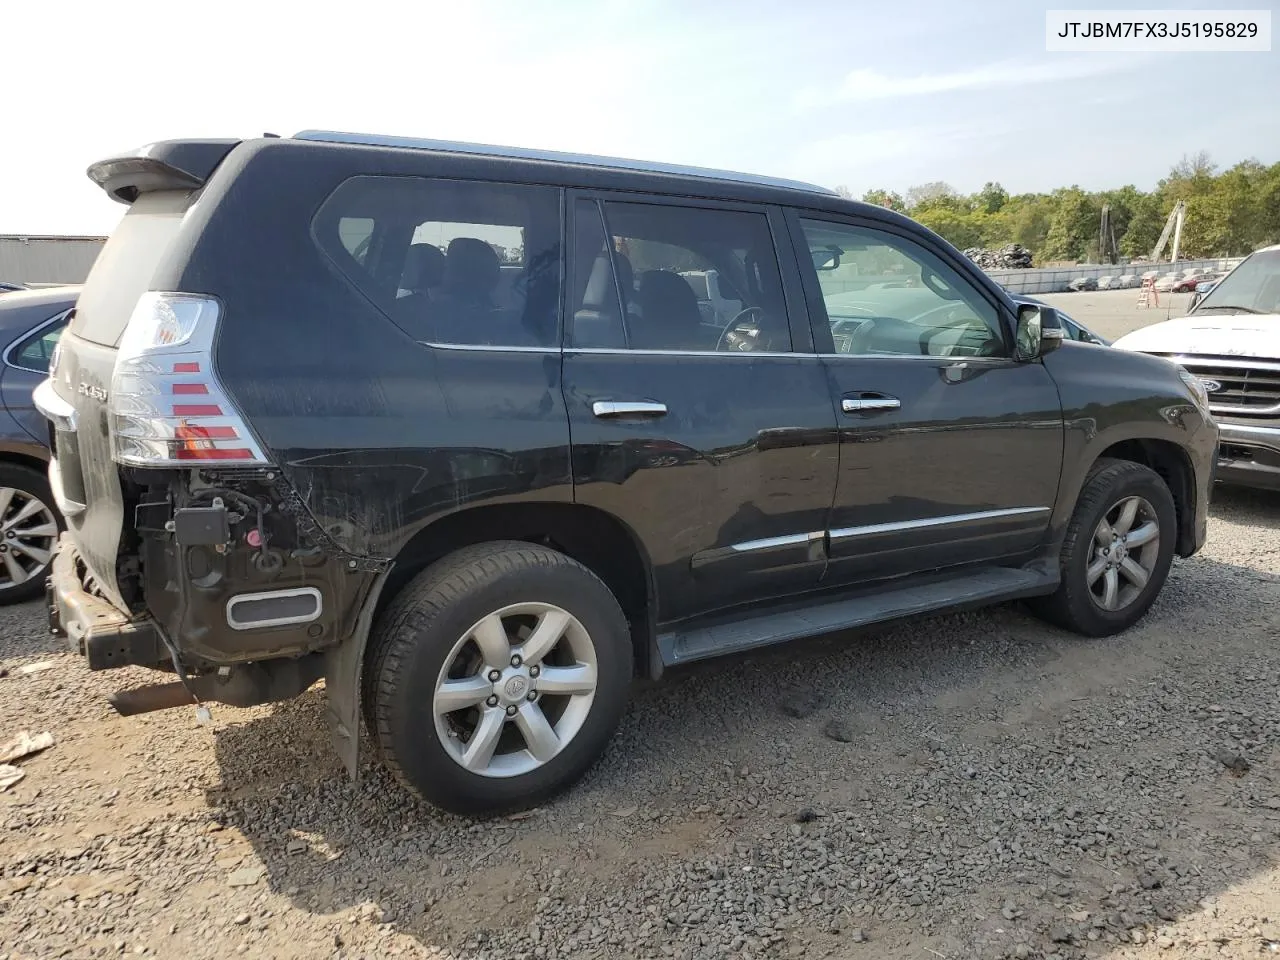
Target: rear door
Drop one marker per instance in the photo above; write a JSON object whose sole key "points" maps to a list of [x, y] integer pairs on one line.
{"points": [[85, 479], [950, 451], [710, 435]]}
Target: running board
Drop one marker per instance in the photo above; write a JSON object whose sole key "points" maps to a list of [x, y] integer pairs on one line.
{"points": [[887, 602]]}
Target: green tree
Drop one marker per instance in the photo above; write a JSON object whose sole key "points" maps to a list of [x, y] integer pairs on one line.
{"points": [[1145, 224], [1073, 230], [955, 226], [885, 198], [929, 194], [991, 198]]}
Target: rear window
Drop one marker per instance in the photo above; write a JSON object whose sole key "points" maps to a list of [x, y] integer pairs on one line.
{"points": [[453, 262], [124, 268]]}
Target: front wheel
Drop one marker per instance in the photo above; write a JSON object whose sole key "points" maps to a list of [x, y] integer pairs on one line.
{"points": [[1117, 551], [498, 677]]}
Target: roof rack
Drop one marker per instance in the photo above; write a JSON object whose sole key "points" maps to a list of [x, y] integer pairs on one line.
{"points": [[585, 159]]}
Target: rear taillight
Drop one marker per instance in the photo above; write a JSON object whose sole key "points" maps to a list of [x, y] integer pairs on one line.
{"points": [[167, 407]]}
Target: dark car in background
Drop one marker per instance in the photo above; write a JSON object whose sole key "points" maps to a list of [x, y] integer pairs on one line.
{"points": [[31, 322]]}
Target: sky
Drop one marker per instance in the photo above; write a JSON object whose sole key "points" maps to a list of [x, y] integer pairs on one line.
{"points": [[854, 93]]}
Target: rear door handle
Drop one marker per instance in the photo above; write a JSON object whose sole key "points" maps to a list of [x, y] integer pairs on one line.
{"points": [[628, 408], [868, 402]]}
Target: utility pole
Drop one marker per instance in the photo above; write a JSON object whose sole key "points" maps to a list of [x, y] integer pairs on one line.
{"points": [[1172, 225], [1108, 251]]}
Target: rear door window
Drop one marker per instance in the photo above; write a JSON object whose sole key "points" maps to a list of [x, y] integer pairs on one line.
{"points": [[675, 278], [453, 262]]}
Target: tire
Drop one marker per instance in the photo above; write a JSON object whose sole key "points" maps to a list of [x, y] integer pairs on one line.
{"points": [[1080, 603], [29, 529], [431, 634]]}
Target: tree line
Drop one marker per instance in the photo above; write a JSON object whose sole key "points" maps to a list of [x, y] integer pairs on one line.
{"points": [[1228, 213]]}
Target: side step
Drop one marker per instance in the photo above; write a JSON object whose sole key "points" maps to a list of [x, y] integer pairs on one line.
{"points": [[888, 601]]}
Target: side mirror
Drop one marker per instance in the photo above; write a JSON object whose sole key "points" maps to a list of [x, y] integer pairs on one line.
{"points": [[825, 258], [1039, 332]]}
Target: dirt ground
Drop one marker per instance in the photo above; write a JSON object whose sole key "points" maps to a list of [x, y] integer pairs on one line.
{"points": [[974, 786]]}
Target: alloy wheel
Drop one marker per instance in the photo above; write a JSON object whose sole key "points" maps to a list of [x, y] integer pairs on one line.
{"points": [[515, 690], [28, 535], [1126, 548]]}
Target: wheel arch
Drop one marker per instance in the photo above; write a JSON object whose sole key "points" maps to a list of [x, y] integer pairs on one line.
{"points": [[1173, 464], [595, 538]]}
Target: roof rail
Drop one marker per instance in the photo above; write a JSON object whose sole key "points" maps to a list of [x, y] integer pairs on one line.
{"points": [[583, 159]]}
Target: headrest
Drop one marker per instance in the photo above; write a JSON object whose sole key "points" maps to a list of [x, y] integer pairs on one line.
{"points": [[471, 267], [423, 267]]}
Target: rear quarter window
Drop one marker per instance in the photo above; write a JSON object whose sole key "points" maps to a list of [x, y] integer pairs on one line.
{"points": [[452, 262], [124, 268]]}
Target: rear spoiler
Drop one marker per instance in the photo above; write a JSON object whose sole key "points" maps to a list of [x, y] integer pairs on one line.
{"points": [[165, 165]]}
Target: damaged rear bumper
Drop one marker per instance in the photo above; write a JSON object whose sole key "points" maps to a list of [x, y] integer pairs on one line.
{"points": [[104, 635]]}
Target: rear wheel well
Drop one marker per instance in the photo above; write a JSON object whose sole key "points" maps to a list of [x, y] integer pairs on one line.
{"points": [[597, 540], [1174, 467], [25, 460]]}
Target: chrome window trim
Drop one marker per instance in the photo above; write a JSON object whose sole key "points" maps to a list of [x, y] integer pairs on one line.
{"points": [[844, 533], [746, 354], [30, 335]]}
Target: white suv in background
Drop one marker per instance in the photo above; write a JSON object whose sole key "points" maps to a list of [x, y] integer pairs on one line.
{"points": [[1231, 342]]}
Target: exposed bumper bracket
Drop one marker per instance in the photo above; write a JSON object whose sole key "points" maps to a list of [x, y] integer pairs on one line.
{"points": [[105, 636]]}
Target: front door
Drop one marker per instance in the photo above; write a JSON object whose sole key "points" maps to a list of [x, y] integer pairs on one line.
{"points": [[693, 418], [950, 451]]}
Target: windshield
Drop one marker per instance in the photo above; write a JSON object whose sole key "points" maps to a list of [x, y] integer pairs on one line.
{"points": [[1252, 287]]}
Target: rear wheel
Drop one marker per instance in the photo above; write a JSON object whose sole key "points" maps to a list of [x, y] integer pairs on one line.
{"points": [[29, 528], [1117, 551], [498, 676]]}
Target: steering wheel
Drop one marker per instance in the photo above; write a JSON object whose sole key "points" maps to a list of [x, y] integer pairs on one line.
{"points": [[737, 319]]}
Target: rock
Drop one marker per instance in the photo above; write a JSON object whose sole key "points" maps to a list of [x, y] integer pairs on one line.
{"points": [[10, 776], [806, 815], [1164, 943], [857, 935], [24, 744], [295, 847], [623, 812], [1150, 881], [33, 668], [1079, 916], [1235, 763], [840, 730], [1060, 935], [241, 919], [1137, 936], [245, 876]]}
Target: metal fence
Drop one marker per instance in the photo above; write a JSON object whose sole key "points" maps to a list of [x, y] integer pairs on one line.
{"points": [[48, 260]]}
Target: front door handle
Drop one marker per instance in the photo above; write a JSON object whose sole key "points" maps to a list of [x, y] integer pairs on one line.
{"points": [[868, 402], [628, 408]]}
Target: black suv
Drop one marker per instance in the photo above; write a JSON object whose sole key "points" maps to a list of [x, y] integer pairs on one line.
{"points": [[450, 427]]}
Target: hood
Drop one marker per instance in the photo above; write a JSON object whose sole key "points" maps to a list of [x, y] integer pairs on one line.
{"points": [[1218, 335]]}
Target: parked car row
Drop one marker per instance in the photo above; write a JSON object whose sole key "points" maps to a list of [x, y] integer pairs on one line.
{"points": [[31, 321]]}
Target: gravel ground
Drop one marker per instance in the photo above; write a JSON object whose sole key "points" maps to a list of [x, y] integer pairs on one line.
{"points": [[967, 786]]}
